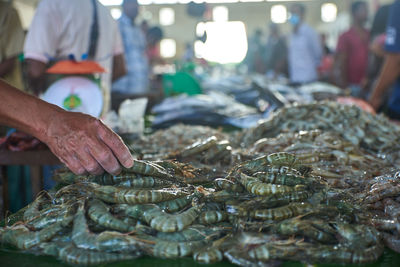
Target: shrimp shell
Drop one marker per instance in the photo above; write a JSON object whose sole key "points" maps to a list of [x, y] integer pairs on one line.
{"points": [[121, 195]]}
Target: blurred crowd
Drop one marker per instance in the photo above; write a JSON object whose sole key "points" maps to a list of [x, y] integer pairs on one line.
{"points": [[356, 64], [127, 48]]}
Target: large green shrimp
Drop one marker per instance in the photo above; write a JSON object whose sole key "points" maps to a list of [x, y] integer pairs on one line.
{"points": [[99, 213]]}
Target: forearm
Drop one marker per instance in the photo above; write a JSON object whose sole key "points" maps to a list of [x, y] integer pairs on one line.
{"points": [[25, 112], [6, 66], [390, 72]]}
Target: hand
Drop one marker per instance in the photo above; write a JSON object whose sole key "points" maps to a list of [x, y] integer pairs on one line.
{"points": [[85, 144]]}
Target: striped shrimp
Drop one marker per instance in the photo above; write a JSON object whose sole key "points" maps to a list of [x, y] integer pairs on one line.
{"points": [[136, 196], [23, 238], [164, 222], [131, 180], [178, 203], [76, 256], [52, 215], [228, 185], [67, 177], [275, 159], [335, 254], [283, 179], [105, 241], [99, 213], [159, 219], [192, 233], [208, 255], [270, 251], [281, 213], [168, 249], [212, 216], [254, 186], [281, 170], [318, 230], [148, 168]]}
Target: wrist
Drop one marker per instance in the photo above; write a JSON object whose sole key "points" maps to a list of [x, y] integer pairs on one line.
{"points": [[47, 116]]}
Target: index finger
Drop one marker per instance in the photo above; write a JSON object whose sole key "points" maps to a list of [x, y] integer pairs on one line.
{"points": [[117, 146]]}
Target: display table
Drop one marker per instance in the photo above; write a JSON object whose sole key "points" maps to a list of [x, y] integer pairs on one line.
{"points": [[34, 159]]}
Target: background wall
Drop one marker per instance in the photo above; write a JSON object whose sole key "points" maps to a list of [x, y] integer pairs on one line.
{"points": [[253, 14]]}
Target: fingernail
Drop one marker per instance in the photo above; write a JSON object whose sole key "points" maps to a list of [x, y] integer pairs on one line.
{"points": [[129, 162], [116, 171]]}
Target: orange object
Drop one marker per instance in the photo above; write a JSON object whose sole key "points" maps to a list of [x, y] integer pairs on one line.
{"points": [[76, 67], [357, 102]]}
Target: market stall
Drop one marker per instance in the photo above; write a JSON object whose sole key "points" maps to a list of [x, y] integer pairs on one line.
{"points": [[234, 164]]}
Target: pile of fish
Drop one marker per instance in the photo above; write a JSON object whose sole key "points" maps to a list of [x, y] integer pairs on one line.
{"points": [[293, 188], [213, 109]]}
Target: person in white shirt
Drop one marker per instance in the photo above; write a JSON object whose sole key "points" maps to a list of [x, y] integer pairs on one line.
{"points": [[136, 81], [304, 48], [63, 28]]}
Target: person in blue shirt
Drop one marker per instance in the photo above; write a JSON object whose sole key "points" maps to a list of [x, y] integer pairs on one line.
{"points": [[390, 73]]}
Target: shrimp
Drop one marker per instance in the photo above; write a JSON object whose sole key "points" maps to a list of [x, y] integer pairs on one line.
{"points": [[113, 194], [228, 185], [198, 147], [33, 209], [335, 254], [254, 186], [73, 255], [208, 255], [212, 217], [105, 241], [269, 251], [381, 191], [148, 168], [275, 159], [192, 233], [281, 213], [52, 215], [167, 249], [283, 179], [22, 238], [178, 203], [312, 229], [99, 213]]}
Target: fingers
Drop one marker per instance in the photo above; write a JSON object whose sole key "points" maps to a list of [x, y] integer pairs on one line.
{"points": [[73, 164], [105, 157], [88, 162], [117, 146]]}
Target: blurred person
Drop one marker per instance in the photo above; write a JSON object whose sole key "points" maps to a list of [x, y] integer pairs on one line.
{"points": [[11, 44], [304, 48], [376, 49], [326, 66], [275, 52], [136, 81], [390, 73], [188, 55], [351, 57], [83, 143], [144, 26], [254, 57], [60, 31], [154, 36]]}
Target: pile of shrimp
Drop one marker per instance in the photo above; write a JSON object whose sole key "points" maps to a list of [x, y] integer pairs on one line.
{"points": [[264, 210]]}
